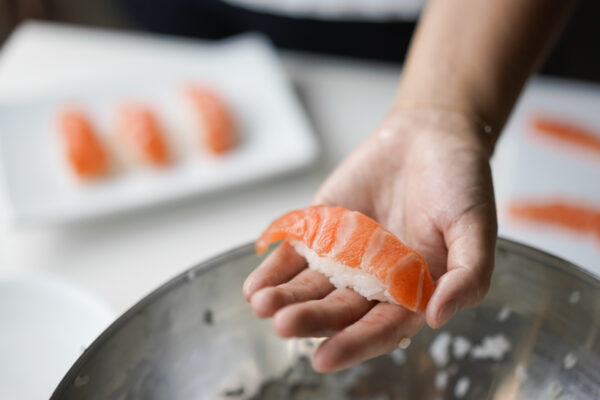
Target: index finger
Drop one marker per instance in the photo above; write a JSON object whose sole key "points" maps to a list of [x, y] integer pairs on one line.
{"points": [[471, 252], [279, 267]]}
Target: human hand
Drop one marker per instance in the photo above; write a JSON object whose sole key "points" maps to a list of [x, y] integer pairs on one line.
{"points": [[425, 176]]}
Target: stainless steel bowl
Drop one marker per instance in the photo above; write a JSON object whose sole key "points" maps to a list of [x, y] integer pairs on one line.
{"points": [[535, 336]]}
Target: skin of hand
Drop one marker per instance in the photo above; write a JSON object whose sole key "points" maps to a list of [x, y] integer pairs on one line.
{"points": [[424, 175], [397, 176]]}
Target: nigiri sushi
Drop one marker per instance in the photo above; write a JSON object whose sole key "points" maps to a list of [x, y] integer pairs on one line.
{"points": [[84, 151], [142, 135], [354, 251], [572, 215], [216, 127], [573, 134]]}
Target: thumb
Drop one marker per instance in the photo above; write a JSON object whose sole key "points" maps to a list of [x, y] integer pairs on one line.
{"points": [[471, 247]]}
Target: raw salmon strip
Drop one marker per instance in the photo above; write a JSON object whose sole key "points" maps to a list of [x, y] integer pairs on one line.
{"points": [[577, 217], [141, 134], [570, 133], [216, 127], [85, 153], [354, 251]]}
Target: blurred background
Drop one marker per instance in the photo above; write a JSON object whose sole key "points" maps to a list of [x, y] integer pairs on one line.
{"points": [[333, 78], [575, 55]]}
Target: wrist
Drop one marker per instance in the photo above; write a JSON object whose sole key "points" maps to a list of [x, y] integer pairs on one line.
{"points": [[458, 100], [460, 123]]}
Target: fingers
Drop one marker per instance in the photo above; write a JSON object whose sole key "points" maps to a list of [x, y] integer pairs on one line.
{"points": [[378, 332], [279, 267], [323, 317], [470, 264], [307, 285]]}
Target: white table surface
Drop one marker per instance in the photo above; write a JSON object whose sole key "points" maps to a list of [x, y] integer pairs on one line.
{"points": [[122, 259]]}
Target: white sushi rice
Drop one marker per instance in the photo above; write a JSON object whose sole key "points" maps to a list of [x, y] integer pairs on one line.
{"points": [[521, 372], [492, 347], [304, 346], [439, 349], [504, 313], [441, 380], [404, 343], [460, 347], [462, 387], [552, 391], [342, 276], [569, 361]]}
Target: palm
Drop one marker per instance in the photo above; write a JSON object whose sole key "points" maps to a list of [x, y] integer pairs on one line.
{"points": [[433, 190]]}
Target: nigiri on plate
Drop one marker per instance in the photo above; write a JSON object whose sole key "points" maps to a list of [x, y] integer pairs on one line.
{"points": [[272, 133], [85, 153], [214, 121], [354, 251], [141, 134], [576, 216], [573, 134]]}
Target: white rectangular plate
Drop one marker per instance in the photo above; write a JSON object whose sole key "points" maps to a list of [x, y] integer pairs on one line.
{"points": [[275, 135], [545, 169]]}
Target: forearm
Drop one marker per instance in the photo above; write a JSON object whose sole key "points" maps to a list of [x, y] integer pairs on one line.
{"points": [[474, 56]]}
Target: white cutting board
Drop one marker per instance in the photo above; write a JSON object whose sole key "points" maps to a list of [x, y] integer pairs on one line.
{"points": [[275, 135], [535, 167]]}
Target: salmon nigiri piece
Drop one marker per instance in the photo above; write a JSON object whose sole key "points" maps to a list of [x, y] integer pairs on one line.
{"points": [[573, 216], [569, 133], [142, 135], [217, 131], [86, 154], [354, 251]]}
